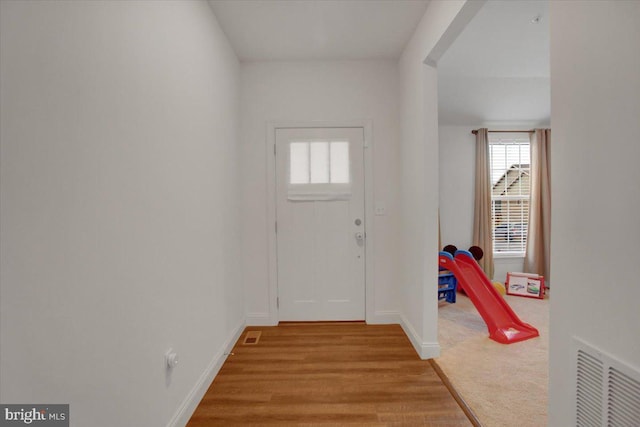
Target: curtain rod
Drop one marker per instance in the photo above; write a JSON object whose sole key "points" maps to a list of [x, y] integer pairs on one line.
{"points": [[475, 131]]}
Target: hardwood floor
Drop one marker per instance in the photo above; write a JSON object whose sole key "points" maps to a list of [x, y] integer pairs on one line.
{"points": [[327, 374]]}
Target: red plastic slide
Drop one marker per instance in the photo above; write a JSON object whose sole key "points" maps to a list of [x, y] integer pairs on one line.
{"points": [[504, 325]]}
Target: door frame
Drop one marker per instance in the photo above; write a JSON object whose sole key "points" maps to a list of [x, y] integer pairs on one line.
{"points": [[270, 141]]}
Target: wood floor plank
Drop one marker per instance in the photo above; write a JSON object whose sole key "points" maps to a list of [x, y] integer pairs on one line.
{"points": [[312, 374]]}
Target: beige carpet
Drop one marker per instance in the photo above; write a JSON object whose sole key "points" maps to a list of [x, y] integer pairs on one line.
{"points": [[504, 385]]}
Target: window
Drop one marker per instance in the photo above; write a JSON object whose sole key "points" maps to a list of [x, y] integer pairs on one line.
{"points": [[319, 162], [509, 157], [319, 170]]}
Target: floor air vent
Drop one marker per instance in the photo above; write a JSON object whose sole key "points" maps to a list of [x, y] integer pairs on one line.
{"points": [[607, 390], [252, 337]]}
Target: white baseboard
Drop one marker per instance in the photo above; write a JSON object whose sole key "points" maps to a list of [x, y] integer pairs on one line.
{"points": [[189, 405], [430, 350], [260, 319], [426, 350], [385, 317]]}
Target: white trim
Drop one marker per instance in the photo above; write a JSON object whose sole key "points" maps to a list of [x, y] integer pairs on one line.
{"points": [[385, 317], [508, 255], [190, 403], [426, 350], [411, 333], [270, 141], [259, 319], [430, 350], [272, 248], [369, 278]]}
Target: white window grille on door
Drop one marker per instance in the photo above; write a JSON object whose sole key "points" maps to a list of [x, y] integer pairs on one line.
{"points": [[319, 170]]}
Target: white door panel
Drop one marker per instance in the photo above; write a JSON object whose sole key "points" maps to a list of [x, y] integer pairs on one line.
{"points": [[321, 261]]}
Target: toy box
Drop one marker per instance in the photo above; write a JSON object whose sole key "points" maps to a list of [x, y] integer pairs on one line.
{"points": [[447, 285], [525, 285]]}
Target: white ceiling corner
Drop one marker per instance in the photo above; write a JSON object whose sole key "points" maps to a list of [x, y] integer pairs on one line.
{"points": [[318, 29], [497, 71]]}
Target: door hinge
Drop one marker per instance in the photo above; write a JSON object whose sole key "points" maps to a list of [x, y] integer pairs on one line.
{"points": [[274, 149], [276, 227], [277, 302]]}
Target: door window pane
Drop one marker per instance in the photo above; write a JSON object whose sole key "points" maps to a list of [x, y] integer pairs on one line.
{"points": [[299, 159], [319, 162], [340, 162], [319, 152]]}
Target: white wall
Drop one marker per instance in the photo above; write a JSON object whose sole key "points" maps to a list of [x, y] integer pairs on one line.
{"points": [[595, 104], [442, 21], [457, 171], [319, 91], [118, 206]]}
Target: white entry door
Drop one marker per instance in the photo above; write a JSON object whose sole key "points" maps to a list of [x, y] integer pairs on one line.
{"points": [[320, 224]]}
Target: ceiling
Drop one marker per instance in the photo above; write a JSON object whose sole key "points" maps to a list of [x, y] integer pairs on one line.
{"points": [[497, 70], [318, 30], [495, 73]]}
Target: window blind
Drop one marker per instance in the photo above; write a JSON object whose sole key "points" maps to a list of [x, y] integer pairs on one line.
{"points": [[509, 159]]}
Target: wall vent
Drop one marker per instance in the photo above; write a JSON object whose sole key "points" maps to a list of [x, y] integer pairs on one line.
{"points": [[589, 391], [607, 390], [623, 402]]}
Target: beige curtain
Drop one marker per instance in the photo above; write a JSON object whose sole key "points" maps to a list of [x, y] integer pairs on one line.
{"points": [[482, 203], [539, 234]]}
